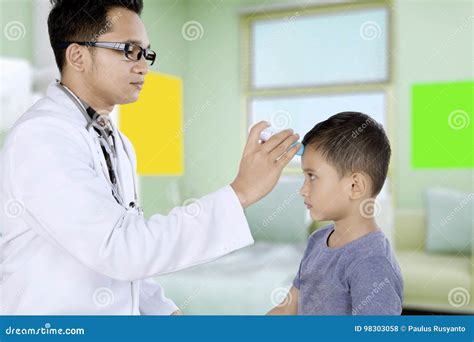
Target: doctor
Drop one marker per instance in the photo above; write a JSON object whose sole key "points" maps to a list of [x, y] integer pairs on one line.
{"points": [[73, 238]]}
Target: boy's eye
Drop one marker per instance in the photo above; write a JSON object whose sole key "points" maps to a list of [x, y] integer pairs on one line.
{"points": [[311, 177]]}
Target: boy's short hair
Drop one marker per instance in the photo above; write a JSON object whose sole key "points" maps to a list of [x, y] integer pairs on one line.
{"points": [[353, 142]]}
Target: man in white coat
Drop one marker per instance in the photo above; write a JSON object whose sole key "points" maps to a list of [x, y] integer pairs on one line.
{"points": [[73, 241]]}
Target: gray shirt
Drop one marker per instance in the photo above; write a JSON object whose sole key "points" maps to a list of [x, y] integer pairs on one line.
{"points": [[359, 278]]}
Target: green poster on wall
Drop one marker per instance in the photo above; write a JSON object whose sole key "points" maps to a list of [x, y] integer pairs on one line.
{"points": [[442, 125]]}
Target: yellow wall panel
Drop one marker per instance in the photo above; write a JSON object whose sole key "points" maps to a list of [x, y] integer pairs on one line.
{"points": [[154, 125]]}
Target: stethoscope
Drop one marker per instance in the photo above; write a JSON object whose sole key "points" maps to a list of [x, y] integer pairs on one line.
{"points": [[93, 121]]}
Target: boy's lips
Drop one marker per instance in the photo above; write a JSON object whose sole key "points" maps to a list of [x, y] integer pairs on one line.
{"points": [[309, 206]]}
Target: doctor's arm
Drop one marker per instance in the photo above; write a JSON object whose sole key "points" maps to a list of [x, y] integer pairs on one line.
{"points": [[67, 202]]}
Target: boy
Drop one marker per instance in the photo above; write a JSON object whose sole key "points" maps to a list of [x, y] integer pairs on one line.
{"points": [[348, 267]]}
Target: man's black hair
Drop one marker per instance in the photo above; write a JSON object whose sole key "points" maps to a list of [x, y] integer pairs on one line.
{"points": [[76, 20]]}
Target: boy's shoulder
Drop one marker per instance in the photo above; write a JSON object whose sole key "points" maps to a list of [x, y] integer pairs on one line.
{"points": [[374, 249]]}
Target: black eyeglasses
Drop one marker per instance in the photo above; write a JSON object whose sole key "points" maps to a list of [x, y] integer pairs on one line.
{"points": [[132, 51]]}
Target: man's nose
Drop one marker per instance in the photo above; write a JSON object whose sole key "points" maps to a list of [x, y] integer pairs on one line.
{"points": [[141, 67]]}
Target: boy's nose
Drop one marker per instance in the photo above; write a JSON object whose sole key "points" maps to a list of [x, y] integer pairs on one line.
{"points": [[303, 191]]}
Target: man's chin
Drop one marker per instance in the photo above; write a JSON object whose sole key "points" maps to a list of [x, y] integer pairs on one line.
{"points": [[130, 99]]}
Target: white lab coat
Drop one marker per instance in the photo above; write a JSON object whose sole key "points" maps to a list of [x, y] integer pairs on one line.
{"points": [[68, 247]]}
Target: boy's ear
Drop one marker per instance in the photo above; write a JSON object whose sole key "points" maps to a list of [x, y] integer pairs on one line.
{"points": [[360, 185]]}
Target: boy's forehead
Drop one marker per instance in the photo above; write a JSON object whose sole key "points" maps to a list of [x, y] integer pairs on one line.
{"points": [[313, 160], [310, 157], [310, 154]]}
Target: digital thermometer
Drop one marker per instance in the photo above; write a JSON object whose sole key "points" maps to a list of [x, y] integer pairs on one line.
{"points": [[267, 133]]}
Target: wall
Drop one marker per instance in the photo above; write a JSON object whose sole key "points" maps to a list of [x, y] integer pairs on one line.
{"points": [[433, 42]]}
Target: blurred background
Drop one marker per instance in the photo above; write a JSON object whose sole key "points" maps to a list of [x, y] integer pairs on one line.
{"points": [[224, 65]]}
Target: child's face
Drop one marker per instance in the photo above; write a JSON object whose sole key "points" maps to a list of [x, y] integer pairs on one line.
{"points": [[325, 193]]}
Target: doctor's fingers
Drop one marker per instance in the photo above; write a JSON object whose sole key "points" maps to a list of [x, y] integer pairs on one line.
{"points": [[254, 135], [283, 146], [287, 156], [277, 140]]}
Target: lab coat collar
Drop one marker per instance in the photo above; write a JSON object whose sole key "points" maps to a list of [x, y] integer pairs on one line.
{"points": [[56, 94], [72, 112]]}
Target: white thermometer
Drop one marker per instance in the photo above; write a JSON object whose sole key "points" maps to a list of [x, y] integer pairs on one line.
{"points": [[267, 133]]}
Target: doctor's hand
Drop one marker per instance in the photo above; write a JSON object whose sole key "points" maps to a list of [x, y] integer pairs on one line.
{"points": [[262, 163]]}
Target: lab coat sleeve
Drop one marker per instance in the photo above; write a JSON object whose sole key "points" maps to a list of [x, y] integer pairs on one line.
{"points": [[67, 201], [153, 300]]}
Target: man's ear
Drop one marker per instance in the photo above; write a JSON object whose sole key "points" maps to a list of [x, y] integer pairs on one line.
{"points": [[76, 57], [360, 185]]}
